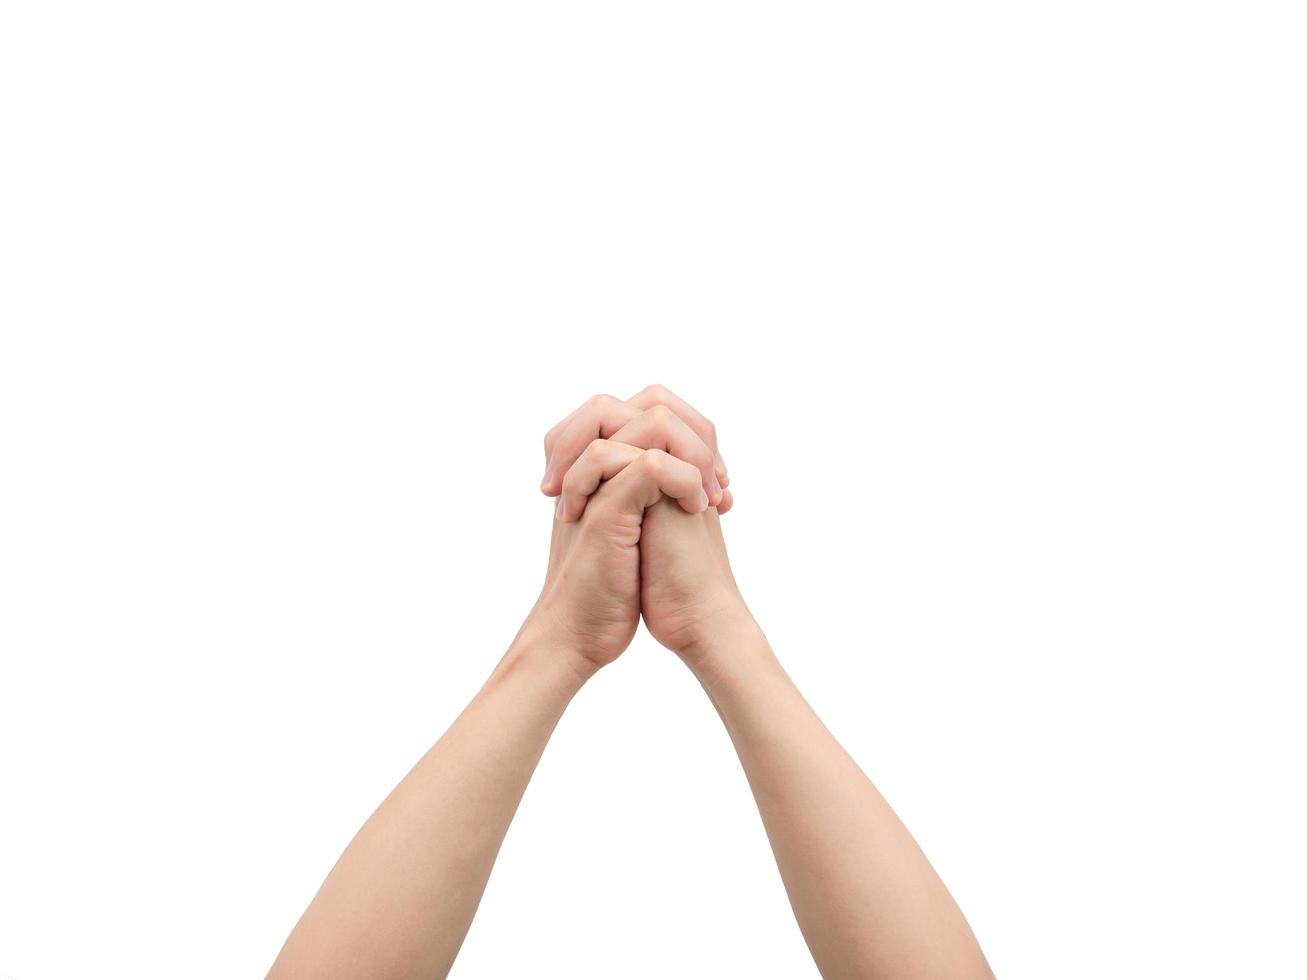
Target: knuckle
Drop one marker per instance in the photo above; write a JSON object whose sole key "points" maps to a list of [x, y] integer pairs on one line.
{"points": [[572, 477], [602, 401], [591, 454], [661, 414], [653, 461]]}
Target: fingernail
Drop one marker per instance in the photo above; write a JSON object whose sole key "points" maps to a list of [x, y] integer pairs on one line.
{"points": [[716, 487], [558, 509], [703, 499], [544, 480], [722, 463]]}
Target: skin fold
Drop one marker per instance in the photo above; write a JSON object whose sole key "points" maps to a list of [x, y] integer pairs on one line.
{"points": [[641, 486]]}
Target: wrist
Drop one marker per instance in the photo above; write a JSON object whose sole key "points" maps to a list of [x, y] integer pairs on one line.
{"points": [[734, 662], [544, 649], [730, 635]]}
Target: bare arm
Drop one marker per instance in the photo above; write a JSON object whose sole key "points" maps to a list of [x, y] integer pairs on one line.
{"points": [[401, 898], [868, 902]]}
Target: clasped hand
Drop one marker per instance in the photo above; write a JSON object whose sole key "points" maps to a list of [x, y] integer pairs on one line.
{"points": [[640, 487]]}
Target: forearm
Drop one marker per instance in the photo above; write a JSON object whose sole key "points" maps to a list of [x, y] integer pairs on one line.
{"points": [[401, 898], [866, 898]]}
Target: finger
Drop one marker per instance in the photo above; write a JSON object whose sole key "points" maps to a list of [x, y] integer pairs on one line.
{"points": [[598, 418], [655, 474], [660, 395], [602, 460], [661, 428], [728, 501], [552, 435]]}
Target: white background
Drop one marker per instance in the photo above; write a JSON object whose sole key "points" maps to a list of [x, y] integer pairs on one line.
{"points": [[997, 307]]}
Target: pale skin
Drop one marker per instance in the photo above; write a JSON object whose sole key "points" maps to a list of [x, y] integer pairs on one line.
{"points": [[640, 486]]}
